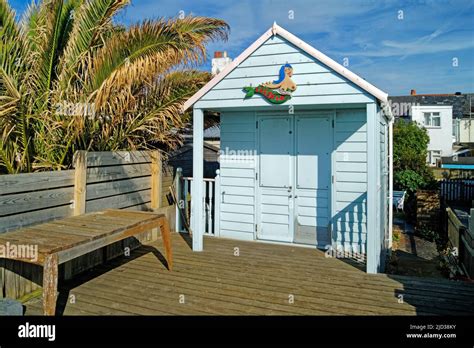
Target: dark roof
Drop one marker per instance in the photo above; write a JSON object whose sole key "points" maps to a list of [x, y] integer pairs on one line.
{"points": [[188, 145], [460, 103], [210, 133], [213, 132]]}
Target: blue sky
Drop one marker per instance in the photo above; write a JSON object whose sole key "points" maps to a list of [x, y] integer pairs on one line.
{"points": [[395, 45]]}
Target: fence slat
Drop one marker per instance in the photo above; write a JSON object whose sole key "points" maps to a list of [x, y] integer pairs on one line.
{"points": [[17, 183], [460, 191], [179, 198], [211, 208]]}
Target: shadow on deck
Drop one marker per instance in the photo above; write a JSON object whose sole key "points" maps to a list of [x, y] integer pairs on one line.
{"points": [[248, 278]]}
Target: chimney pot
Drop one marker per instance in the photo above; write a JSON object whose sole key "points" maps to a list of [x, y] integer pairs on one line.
{"points": [[217, 54], [413, 92]]}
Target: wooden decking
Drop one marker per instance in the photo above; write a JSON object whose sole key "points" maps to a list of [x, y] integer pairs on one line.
{"points": [[264, 279]]}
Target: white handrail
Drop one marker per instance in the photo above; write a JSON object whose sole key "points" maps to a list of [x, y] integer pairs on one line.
{"points": [[210, 206]]}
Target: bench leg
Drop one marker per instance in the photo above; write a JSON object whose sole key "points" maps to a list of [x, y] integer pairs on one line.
{"points": [[166, 235], [50, 284]]}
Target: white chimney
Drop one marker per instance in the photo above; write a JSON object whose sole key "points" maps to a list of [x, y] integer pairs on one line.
{"points": [[219, 62]]}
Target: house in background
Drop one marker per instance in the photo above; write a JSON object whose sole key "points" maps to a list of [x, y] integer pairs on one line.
{"points": [[183, 156], [445, 116], [219, 62], [212, 136], [438, 121], [306, 156]]}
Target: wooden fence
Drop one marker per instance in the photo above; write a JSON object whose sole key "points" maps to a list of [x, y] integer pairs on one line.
{"points": [[100, 180], [460, 191], [461, 238]]}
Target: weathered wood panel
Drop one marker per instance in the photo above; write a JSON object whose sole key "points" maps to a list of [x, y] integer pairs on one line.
{"points": [[34, 181], [112, 173], [35, 200], [120, 187], [100, 159]]}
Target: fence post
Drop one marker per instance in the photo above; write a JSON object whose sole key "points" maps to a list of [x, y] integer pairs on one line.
{"points": [[217, 203], [80, 190], [156, 183], [177, 186], [156, 178], [80, 182]]}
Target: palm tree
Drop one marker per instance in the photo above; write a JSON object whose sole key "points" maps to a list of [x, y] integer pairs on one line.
{"points": [[71, 78]]}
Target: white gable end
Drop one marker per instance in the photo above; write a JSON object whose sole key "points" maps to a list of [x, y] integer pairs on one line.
{"points": [[320, 80], [316, 83]]}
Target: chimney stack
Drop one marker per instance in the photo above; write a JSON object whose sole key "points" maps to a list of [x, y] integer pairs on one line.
{"points": [[413, 92], [219, 62]]}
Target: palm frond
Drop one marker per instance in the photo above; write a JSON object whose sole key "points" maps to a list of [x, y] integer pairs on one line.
{"points": [[90, 19], [138, 56]]}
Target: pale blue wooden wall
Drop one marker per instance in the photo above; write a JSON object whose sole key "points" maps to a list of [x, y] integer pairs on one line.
{"points": [[317, 84], [237, 218], [382, 173], [350, 187]]}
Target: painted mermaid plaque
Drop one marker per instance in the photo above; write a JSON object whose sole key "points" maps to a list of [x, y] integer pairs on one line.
{"points": [[278, 91]]}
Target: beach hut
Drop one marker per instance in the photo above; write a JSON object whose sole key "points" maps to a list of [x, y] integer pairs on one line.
{"points": [[304, 152]]}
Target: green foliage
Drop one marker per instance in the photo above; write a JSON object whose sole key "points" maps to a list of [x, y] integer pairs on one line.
{"points": [[410, 144], [433, 235], [72, 79], [396, 236], [408, 180]]}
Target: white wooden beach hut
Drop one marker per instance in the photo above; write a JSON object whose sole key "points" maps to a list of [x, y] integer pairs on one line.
{"points": [[305, 151]]}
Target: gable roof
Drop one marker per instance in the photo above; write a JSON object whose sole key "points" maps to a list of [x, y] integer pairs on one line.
{"points": [[277, 30]]}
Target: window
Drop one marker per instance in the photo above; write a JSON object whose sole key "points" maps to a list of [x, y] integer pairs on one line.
{"points": [[434, 156], [432, 119]]}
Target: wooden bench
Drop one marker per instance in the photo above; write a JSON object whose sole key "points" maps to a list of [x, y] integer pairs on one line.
{"points": [[63, 240]]}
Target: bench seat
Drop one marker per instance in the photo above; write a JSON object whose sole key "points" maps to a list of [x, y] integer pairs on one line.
{"points": [[62, 240]]}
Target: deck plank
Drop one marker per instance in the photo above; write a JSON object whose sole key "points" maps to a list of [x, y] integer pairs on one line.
{"points": [[257, 282]]}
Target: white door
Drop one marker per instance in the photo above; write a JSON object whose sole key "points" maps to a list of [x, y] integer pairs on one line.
{"points": [[314, 145], [276, 212]]}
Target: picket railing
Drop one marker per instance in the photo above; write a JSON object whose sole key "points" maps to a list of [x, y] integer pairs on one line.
{"points": [[458, 191], [184, 219]]}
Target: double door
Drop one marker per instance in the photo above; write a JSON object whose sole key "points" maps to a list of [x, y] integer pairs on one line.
{"points": [[294, 178]]}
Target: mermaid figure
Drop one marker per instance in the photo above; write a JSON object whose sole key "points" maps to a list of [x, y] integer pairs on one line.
{"points": [[284, 83]]}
